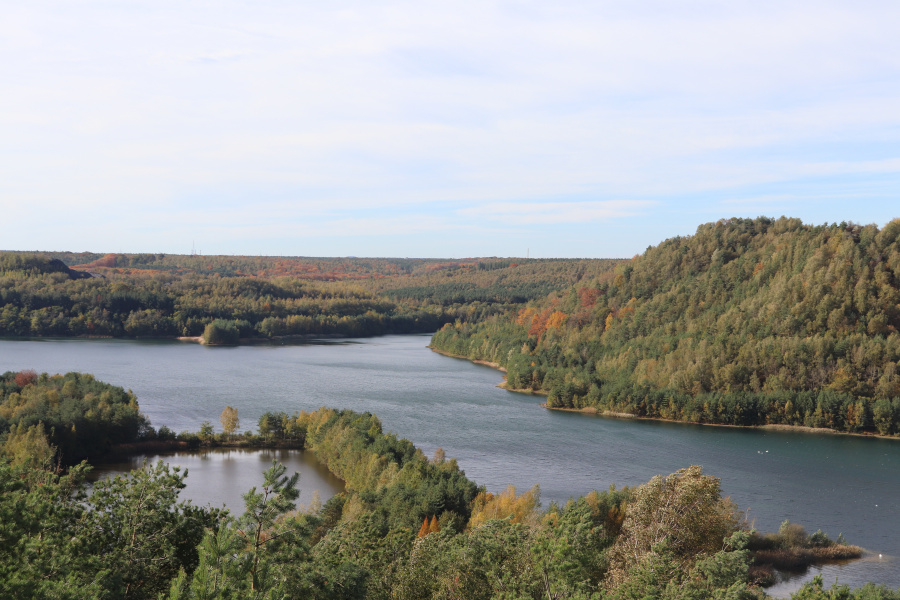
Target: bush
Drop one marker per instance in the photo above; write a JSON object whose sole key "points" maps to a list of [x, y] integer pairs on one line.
{"points": [[221, 333], [819, 540], [165, 434], [190, 438], [792, 535]]}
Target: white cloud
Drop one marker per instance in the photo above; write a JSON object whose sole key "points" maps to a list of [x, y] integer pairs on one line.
{"points": [[398, 104]]}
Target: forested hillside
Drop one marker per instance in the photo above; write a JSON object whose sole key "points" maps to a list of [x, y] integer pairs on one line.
{"points": [[746, 322], [491, 281], [152, 303], [157, 295]]}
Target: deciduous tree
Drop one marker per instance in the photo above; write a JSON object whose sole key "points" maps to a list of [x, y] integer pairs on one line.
{"points": [[230, 421]]}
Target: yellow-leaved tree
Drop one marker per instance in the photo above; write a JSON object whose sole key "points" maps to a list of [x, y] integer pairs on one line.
{"points": [[28, 446], [506, 505], [230, 421]]}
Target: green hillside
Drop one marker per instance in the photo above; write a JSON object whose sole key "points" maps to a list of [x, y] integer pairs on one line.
{"points": [[746, 322], [159, 295]]}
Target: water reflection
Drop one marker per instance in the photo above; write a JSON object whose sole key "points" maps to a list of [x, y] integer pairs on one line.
{"points": [[853, 573], [221, 476]]}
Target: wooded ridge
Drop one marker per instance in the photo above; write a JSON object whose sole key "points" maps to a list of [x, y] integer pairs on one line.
{"points": [[257, 297], [747, 322]]}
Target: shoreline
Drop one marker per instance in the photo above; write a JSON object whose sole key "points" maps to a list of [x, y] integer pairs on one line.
{"points": [[590, 410], [129, 449], [798, 560], [198, 339], [765, 564], [593, 411], [486, 363]]}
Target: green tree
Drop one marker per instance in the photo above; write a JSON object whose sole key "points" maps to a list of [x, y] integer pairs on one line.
{"points": [[44, 551], [272, 425], [206, 430], [260, 525], [221, 572], [221, 333], [28, 446], [264, 554], [142, 532]]}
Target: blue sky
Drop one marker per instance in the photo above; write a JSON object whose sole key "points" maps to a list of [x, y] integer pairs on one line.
{"points": [[439, 129]]}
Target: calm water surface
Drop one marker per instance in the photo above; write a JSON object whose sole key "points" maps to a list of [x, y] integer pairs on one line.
{"points": [[840, 484], [220, 477]]}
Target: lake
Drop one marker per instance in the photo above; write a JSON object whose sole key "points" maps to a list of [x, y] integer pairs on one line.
{"points": [[841, 484]]}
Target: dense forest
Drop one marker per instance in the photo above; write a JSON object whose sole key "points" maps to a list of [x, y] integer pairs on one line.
{"points": [[37, 298], [407, 528], [747, 322], [65, 418], [225, 299]]}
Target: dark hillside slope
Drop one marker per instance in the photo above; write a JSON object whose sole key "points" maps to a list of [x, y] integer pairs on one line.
{"points": [[32, 264], [746, 322]]}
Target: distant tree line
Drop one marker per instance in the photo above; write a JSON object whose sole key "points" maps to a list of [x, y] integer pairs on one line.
{"points": [[169, 296], [40, 300]]}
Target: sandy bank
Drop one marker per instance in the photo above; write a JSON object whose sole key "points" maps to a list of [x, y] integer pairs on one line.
{"points": [[590, 410], [486, 363]]}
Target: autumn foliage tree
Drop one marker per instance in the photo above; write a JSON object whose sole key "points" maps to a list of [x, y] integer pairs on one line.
{"points": [[520, 508], [685, 510], [431, 526], [26, 377], [230, 421]]}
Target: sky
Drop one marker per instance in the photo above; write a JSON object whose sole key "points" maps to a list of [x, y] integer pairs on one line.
{"points": [[439, 129]]}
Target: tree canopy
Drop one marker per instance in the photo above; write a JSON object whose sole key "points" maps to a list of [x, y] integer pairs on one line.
{"points": [[747, 322]]}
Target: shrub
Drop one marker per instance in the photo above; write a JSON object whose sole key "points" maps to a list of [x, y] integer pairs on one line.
{"points": [[221, 333]]}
